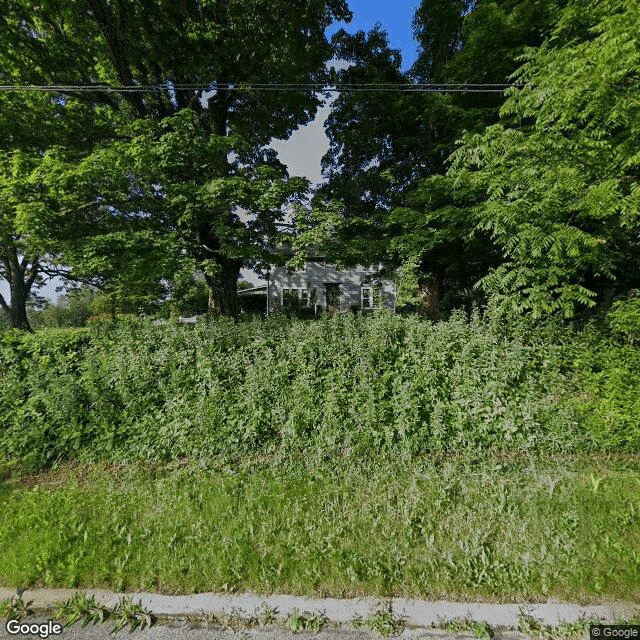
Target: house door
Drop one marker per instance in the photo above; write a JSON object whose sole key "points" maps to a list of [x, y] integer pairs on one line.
{"points": [[333, 297]]}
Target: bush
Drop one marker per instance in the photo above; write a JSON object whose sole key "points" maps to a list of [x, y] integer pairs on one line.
{"points": [[624, 318], [73, 309], [346, 385]]}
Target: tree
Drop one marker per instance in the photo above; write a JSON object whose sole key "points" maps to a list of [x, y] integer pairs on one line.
{"points": [[19, 265], [28, 124], [178, 163], [559, 174], [383, 145], [23, 264]]}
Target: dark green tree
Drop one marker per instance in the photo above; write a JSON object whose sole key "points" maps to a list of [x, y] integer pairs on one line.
{"points": [[383, 145], [559, 175], [168, 183], [29, 124]]}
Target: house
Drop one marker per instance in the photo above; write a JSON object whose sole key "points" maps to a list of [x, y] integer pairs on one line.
{"points": [[324, 288]]}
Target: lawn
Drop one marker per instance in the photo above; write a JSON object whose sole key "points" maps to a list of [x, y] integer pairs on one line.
{"points": [[496, 530]]}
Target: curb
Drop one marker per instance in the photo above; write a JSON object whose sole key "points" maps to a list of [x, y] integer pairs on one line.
{"points": [[416, 613]]}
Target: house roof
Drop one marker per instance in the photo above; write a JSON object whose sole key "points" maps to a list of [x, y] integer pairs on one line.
{"points": [[254, 290]]}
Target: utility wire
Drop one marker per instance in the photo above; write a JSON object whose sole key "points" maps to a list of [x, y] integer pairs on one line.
{"points": [[251, 86]]}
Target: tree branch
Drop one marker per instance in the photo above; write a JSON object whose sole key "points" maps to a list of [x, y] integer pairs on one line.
{"points": [[115, 38], [35, 270], [33, 260], [7, 266]]}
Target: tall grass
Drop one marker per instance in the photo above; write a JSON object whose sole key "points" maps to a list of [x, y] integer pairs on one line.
{"points": [[382, 455], [344, 386]]}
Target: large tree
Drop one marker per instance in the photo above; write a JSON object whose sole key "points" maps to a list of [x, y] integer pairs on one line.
{"points": [[558, 178], [29, 124], [169, 181], [383, 145], [25, 264]]}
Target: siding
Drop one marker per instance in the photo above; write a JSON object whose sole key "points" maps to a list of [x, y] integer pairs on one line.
{"points": [[316, 274]]}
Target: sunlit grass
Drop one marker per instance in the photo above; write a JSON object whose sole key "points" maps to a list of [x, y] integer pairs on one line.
{"points": [[490, 529]]}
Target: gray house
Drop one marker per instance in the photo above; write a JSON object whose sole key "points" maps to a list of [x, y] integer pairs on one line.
{"points": [[324, 288]]}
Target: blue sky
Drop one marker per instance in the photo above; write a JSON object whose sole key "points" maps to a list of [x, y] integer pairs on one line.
{"points": [[395, 17]]}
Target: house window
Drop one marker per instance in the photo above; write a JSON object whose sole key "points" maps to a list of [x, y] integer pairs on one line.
{"points": [[304, 297], [367, 298], [290, 297]]}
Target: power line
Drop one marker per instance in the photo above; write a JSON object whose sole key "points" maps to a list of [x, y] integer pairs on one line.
{"points": [[252, 86]]}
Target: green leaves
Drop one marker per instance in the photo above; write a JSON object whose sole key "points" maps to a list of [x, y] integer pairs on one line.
{"points": [[129, 185], [560, 184]]}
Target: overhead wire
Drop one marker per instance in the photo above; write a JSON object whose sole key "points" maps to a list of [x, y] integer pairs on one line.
{"points": [[253, 86]]}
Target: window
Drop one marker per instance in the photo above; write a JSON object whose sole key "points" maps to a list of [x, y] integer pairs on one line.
{"points": [[367, 298], [290, 297], [295, 297]]}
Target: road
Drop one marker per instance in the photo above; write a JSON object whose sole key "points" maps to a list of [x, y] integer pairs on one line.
{"points": [[180, 630]]}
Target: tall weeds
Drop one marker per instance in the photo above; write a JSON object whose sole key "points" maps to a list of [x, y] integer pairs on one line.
{"points": [[347, 386]]}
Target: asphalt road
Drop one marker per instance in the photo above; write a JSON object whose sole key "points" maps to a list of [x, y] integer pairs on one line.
{"points": [[177, 630]]}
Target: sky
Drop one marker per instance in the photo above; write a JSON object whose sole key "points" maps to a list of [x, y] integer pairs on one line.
{"points": [[304, 149], [395, 18]]}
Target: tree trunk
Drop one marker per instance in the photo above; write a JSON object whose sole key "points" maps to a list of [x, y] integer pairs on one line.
{"points": [[20, 282], [223, 288], [429, 295], [18, 307]]}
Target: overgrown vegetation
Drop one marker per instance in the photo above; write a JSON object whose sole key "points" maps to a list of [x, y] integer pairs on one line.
{"points": [[481, 630], [14, 608], [378, 455], [299, 621], [538, 630], [80, 607], [342, 386], [380, 620], [488, 528]]}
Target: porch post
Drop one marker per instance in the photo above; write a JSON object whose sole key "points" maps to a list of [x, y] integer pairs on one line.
{"points": [[268, 295]]}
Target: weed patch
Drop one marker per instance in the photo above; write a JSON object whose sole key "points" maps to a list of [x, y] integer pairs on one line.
{"points": [[400, 386], [14, 608], [486, 530], [480, 629], [381, 620], [80, 607], [299, 621]]}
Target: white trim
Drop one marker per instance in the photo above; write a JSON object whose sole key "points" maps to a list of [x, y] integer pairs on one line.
{"points": [[369, 289]]}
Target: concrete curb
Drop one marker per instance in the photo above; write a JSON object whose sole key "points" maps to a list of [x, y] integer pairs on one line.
{"points": [[416, 613]]}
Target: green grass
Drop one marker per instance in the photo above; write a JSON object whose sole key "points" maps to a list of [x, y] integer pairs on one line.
{"points": [[494, 529], [350, 456]]}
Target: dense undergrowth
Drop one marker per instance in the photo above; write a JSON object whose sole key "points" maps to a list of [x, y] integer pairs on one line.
{"points": [[344, 386]]}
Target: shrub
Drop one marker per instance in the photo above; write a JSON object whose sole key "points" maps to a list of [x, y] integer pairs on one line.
{"points": [[624, 318], [346, 385]]}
